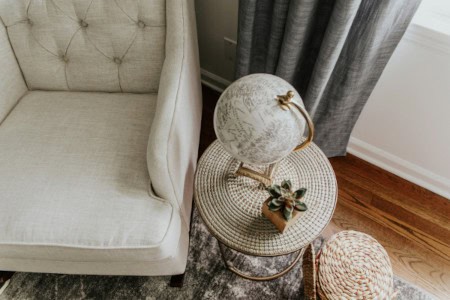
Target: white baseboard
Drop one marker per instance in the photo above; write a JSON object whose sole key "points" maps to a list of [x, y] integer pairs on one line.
{"points": [[214, 81], [400, 167]]}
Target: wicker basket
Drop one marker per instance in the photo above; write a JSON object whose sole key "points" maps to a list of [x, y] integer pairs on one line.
{"points": [[353, 265]]}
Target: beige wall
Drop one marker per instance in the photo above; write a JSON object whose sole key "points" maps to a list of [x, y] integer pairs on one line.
{"points": [[216, 19]]}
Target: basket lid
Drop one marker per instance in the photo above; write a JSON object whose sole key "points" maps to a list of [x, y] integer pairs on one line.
{"points": [[353, 265]]}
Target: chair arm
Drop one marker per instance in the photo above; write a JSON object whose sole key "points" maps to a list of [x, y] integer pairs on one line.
{"points": [[175, 133], [12, 85]]}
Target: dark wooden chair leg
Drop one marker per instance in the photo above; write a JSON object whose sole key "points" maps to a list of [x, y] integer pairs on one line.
{"points": [[4, 277], [177, 280]]}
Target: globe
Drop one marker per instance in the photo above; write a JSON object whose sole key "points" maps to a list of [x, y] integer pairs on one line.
{"points": [[250, 123]]}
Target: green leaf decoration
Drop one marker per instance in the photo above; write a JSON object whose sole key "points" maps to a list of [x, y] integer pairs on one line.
{"points": [[286, 184], [274, 191], [301, 206], [285, 192], [298, 194], [289, 203], [287, 213], [273, 207], [282, 198], [278, 201]]}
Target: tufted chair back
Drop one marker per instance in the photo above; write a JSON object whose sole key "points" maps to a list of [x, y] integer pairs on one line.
{"points": [[88, 45]]}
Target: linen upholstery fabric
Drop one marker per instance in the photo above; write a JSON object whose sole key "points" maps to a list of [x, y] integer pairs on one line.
{"points": [[82, 165], [175, 134], [12, 86], [85, 45], [332, 52], [74, 173]]}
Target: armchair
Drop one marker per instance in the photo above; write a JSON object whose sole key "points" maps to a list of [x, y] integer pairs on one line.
{"points": [[100, 110]]}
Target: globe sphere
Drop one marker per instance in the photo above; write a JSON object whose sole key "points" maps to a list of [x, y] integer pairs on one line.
{"points": [[251, 125]]}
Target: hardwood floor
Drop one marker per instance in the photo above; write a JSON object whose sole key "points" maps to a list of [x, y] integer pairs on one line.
{"points": [[404, 207], [412, 223]]}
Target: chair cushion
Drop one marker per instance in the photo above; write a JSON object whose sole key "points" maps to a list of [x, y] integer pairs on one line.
{"points": [[73, 174], [85, 45]]}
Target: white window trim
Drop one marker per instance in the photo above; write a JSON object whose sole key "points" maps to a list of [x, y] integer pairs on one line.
{"points": [[434, 15], [430, 27]]}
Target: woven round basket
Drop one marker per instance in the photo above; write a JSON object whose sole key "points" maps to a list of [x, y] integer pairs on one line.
{"points": [[353, 265]]}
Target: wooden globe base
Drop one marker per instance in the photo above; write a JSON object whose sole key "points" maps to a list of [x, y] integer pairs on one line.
{"points": [[265, 177]]}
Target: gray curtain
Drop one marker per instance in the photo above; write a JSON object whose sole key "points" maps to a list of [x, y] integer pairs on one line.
{"points": [[333, 52]]}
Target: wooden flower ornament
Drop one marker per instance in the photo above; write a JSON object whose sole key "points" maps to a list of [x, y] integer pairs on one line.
{"points": [[284, 199]]}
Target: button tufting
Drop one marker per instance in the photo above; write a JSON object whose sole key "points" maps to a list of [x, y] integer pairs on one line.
{"points": [[83, 24], [30, 22], [117, 60], [64, 58], [141, 24]]}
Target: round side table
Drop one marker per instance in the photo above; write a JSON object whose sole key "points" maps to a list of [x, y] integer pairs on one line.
{"points": [[230, 205]]}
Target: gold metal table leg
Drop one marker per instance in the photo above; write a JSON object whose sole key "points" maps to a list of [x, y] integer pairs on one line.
{"points": [[261, 278]]}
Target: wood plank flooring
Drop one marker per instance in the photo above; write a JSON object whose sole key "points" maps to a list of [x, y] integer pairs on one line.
{"points": [[412, 223]]}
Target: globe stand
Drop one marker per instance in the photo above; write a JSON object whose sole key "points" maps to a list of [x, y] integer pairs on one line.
{"points": [[265, 178]]}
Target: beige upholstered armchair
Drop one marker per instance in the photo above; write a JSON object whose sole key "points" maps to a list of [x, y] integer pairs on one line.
{"points": [[100, 109]]}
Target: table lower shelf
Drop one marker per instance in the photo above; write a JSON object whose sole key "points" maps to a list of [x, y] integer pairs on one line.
{"points": [[260, 278]]}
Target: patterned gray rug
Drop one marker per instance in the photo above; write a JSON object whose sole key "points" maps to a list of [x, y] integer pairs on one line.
{"points": [[206, 278]]}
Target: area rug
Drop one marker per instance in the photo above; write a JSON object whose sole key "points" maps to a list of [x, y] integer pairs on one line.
{"points": [[206, 278]]}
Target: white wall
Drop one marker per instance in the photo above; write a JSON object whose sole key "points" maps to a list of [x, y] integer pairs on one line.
{"points": [[405, 126]]}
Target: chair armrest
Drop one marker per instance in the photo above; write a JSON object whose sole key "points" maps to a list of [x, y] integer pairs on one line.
{"points": [[12, 85], [175, 133]]}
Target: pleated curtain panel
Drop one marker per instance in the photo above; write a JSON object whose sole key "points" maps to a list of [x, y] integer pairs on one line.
{"points": [[332, 52]]}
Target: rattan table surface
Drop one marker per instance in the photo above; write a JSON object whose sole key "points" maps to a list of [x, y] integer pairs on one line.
{"points": [[230, 205]]}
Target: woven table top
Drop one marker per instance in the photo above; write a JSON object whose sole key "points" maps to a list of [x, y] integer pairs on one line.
{"points": [[231, 205]]}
